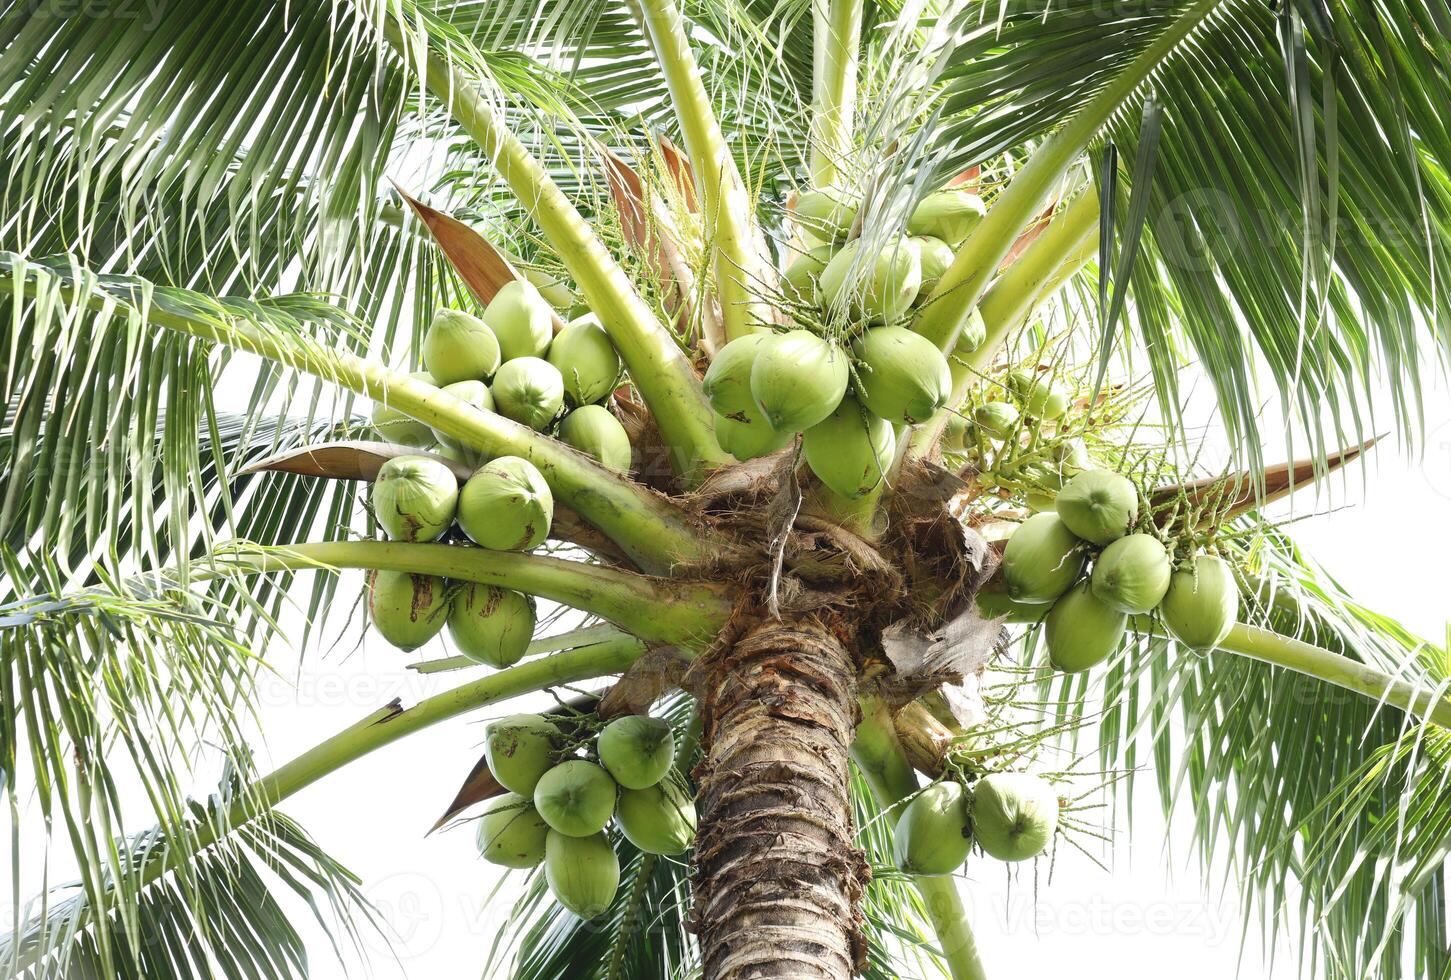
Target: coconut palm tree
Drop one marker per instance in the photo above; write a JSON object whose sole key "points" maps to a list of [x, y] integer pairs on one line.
{"points": [[276, 199]]}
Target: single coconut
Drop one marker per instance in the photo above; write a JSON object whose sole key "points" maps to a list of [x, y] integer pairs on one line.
{"points": [[459, 347], [556, 291], [586, 359], [797, 380], [511, 833], [395, 426], [879, 289], [801, 280], [1132, 574], [658, 819], [850, 450], [583, 873], [637, 750], [490, 625], [408, 610], [519, 750], [476, 395], [1040, 398], [1042, 560], [1202, 603], [901, 375], [1014, 815], [1082, 631], [749, 439], [935, 256], [575, 798], [996, 419], [1099, 506], [506, 505], [949, 214], [530, 391], [933, 834], [592, 429], [415, 497], [956, 433], [522, 320], [727, 382], [827, 213], [974, 331]]}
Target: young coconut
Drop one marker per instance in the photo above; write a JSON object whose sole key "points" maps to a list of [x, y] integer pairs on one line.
{"points": [[556, 291], [658, 819], [506, 505], [593, 430], [1014, 815], [583, 873], [1082, 631], [394, 426], [459, 347], [637, 750], [1132, 574], [522, 320], [935, 256], [1099, 506], [511, 833], [1042, 560], [850, 450], [415, 497], [882, 289], [827, 213], [802, 279], [519, 750], [1202, 603], [490, 625], [957, 433], [797, 380], [996, 419], [949, 214], [473, 393], [586, 359], [408, 610], [530, 391], [902, 376], [727, 382], [974, 333], [576, 798], [1041, 398], [749, 439], [933, 834]]}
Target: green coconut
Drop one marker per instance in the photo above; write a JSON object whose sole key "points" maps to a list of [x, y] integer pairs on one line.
{"points": [[850, 450], [949, 214], [473, 393], [592, 429], [1202, 603], [658, 819], [957, 433], [933, 834], [530, 391], [583, 873], [519, 750], [1014, 815], [827, 213], [586, 359], [1082, 631], [797, 380], [394, 426], [747, 440], [511, 833], [506, 505], [415, 497], [1042, 560], [490, 625], [1040, 503], [801, 280], [935, 256], [408, 610], [1039, 396], [637, 750], [459, 347], [974, 333], [1099, 506], [902, 376], [878, 290], [522, 320], [1132, 575], [996, 419], [727, 382], [575, 798], [556, 291]]}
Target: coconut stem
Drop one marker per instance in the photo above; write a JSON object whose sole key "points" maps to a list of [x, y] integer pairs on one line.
{"points": [[657, 366], [1015, 207], [879, 757], [836, 48], [740, 270], [662, 610]]}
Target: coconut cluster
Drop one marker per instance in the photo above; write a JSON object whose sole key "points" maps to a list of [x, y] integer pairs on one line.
{"points": [[1011, 816], [562, 797]]}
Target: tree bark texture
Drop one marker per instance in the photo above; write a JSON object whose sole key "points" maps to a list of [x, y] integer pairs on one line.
{"points": [[778, 876]]}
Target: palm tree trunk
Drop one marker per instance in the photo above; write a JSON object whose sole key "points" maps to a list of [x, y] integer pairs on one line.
{"points": [[778, 878]]}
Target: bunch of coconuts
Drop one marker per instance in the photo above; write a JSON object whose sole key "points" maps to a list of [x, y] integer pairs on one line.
{"points": [[511, 362], [1094, 570], [562, 798], [1011, 816], [850, 402]]}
